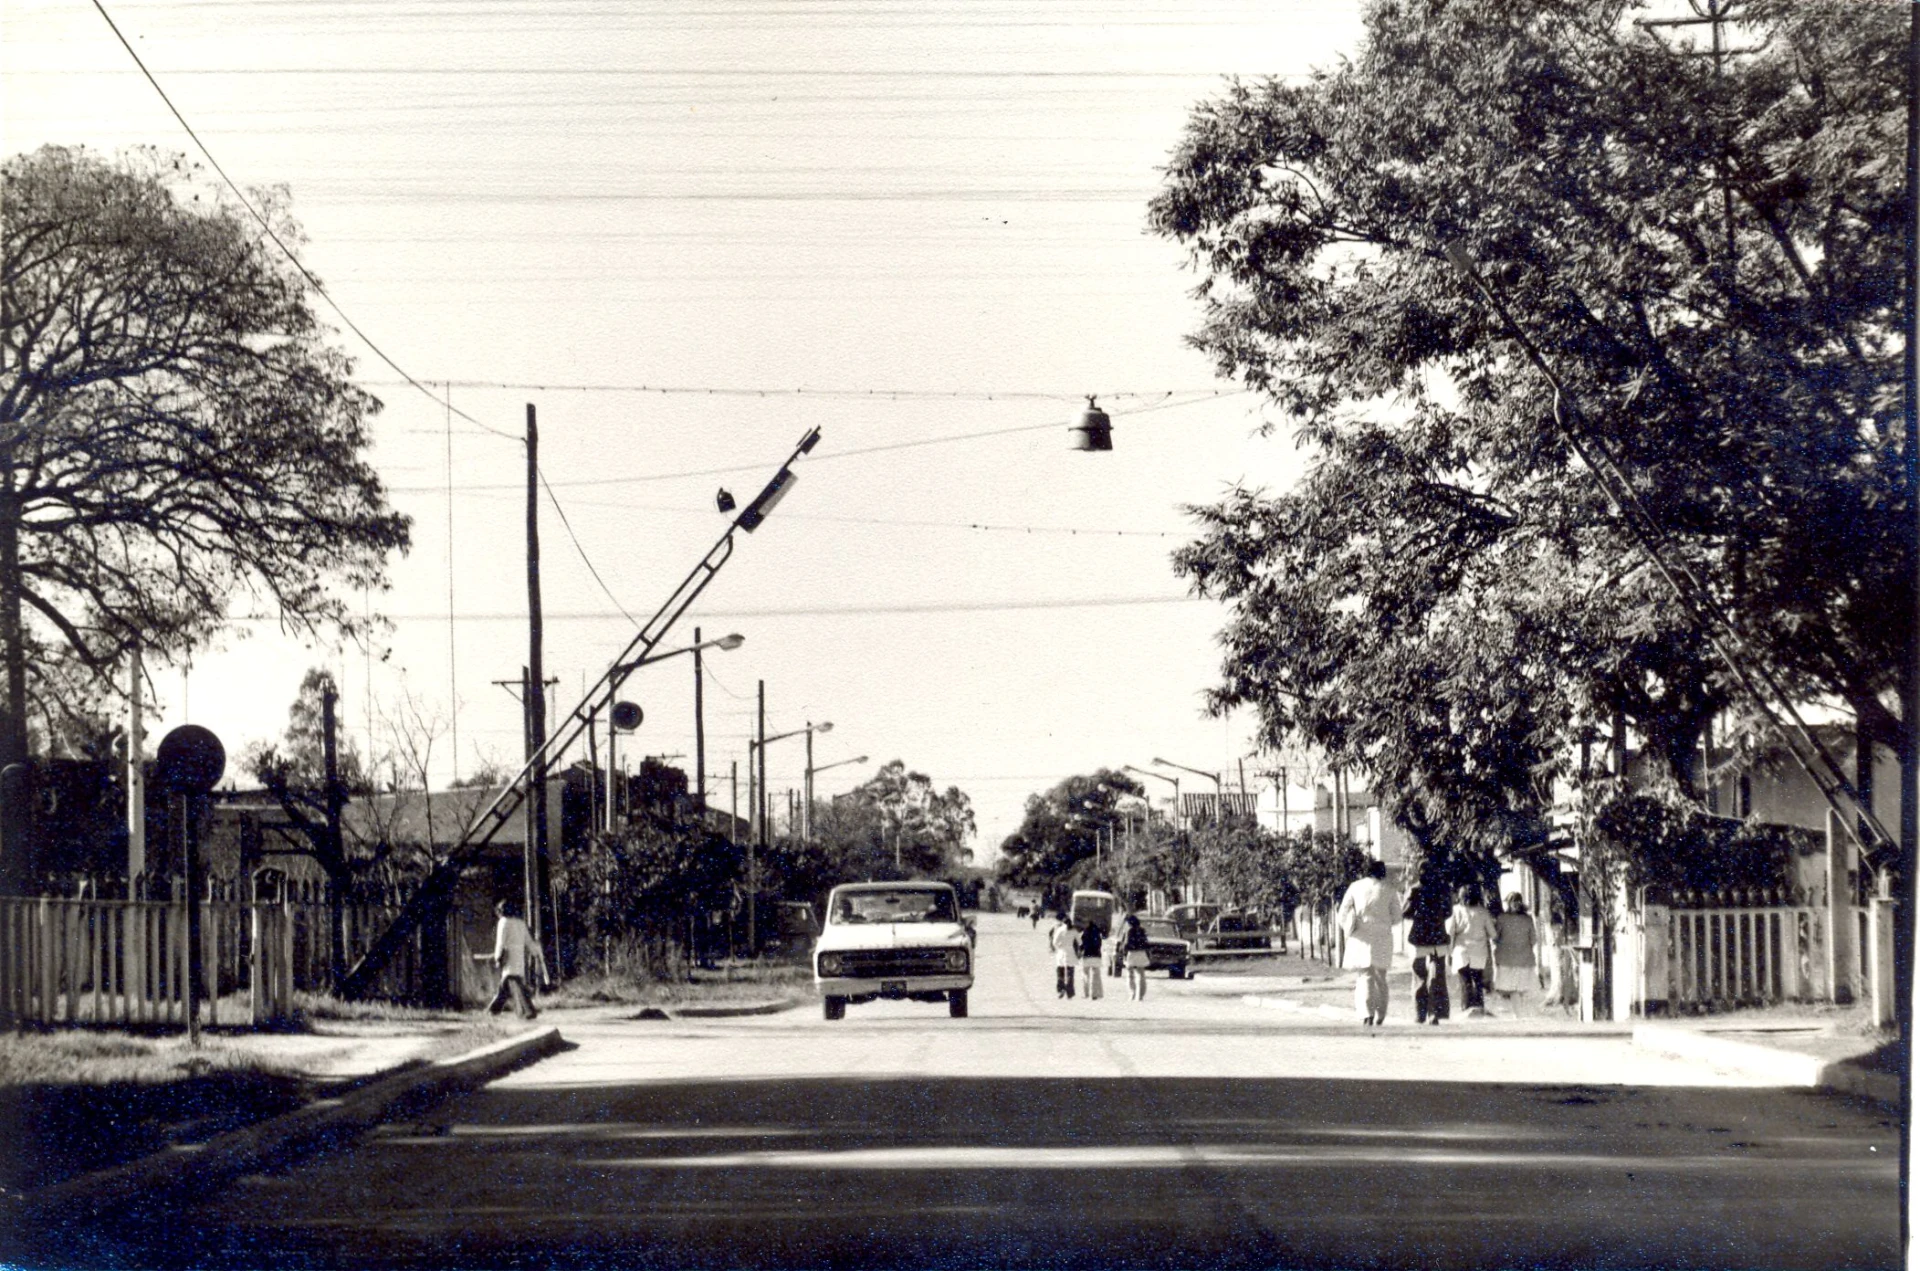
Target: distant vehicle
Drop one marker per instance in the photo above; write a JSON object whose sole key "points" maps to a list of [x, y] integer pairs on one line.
{"points": [[893, 940], [1211, 929], [1166, 951], [1101, 908], [791, 930], [1192, 919], [1238, 931]]}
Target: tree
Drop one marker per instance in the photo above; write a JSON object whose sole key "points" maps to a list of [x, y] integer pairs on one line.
{"points": [[175, 428], [1250, 867], [632, 894], [311, 780], [1708, 259], [925, 829], [1063, 828]]}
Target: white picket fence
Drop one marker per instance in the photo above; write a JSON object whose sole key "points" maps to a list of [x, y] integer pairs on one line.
{"points": [[1725, 949], [125, 961]]}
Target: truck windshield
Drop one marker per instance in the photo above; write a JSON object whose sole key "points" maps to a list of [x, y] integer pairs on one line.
{"points": [[917, 905]]}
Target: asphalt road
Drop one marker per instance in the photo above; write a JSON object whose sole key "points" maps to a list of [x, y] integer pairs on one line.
{"points": [[1189, 1130]]}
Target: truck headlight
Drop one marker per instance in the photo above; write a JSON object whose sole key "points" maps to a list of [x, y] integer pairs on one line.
{"points": [[956, 959], [829, 964]]}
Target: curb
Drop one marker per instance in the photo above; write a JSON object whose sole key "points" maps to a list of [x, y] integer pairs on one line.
{"points": [[277, 1140], [728, 1012], [1778, 1067], [1324, 1009]]}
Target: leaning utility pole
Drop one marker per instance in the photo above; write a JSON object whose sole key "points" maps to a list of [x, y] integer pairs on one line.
{"points": [[433, 897]]}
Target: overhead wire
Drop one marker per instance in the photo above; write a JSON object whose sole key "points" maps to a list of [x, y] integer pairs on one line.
{"points": [[273, 235], [890, 394], [826, 455], [577, 546]]}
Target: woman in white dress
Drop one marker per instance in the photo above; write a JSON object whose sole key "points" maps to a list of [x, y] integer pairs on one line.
{"points": [[1368, 914]]}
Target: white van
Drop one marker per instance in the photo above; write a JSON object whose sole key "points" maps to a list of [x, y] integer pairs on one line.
{"points": [[1101, 908]]}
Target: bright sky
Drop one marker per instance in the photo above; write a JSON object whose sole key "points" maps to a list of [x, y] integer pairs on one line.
{"points": [[929, 217]]}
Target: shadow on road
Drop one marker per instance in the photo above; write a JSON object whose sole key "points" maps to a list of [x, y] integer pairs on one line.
{"points": [[1060, 1173]]}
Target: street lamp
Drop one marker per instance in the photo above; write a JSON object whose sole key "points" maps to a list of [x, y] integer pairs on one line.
{"points": [[1161, 776], [1097, 821], [619, 673], [760, 745], [1218, 789], [806, 822], [760, 801]]}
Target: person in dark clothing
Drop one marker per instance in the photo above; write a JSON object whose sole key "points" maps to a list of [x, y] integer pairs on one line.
{"points": [[1428, 908], [1092, 973], [1134, 955]]}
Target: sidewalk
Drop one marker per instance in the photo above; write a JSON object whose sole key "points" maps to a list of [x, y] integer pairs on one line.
{"points": [[1809, 1045]]}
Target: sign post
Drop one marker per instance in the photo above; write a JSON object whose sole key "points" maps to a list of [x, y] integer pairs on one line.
{"points": [[190, 763]]}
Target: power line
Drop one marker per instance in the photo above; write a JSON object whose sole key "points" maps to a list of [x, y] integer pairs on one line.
{"points": [[1071, 531], [584, 558], [274, 237], [877, 394], [1212, 395], [798, 611]]}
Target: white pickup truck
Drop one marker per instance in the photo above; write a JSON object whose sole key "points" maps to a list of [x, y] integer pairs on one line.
{"points": [[893, 940]]}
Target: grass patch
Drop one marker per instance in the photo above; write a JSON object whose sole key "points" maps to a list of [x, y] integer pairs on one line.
{"points": [[99, 1059], [74, 1102], [743, 984], [322, 1006]]}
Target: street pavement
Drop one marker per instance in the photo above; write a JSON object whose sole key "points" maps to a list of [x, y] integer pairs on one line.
{"points": [[1188, 1130]]}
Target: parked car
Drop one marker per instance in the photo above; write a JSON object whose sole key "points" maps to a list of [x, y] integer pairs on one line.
{"points": [[1193, 919], [1166, 951], [1213, 929], [893, 940], [1235, 932]]}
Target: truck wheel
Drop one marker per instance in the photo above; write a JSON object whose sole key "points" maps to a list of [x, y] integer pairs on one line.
{"points": [[1176, 973], [834, 1007], [957, 1003]]}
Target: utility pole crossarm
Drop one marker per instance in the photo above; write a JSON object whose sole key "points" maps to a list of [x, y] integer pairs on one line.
{"points": [[436, 889]]}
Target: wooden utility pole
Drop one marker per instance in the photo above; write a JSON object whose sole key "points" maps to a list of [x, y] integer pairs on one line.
{"points": [[535, 697], [760, 835], [334, 798], [699, 731]]}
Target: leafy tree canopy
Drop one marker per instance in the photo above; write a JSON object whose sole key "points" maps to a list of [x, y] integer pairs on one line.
{"points": [[1063, 827], [176, 430], [1707, 257]]}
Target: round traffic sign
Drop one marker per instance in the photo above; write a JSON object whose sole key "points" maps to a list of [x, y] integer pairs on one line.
{"points": [[191, 760]]}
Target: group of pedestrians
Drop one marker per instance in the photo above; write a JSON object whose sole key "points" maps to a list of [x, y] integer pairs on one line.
{"points": [[1448, 932], [1079, 948]]}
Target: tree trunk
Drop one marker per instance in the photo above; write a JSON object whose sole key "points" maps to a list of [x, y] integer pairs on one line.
{"points": [[13, 649]]}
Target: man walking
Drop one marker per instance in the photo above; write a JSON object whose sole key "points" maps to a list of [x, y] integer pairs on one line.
{"points": [[518, 958], [1368, 914]]}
